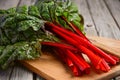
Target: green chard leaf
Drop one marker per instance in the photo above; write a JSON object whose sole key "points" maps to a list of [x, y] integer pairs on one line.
{"points": [[3, 11], [1, 49], [7, 52], [18, 51], [19, 32], [22, 9], [22, 28], [8, 11], [33, 11], [11, 10], [70, 11]]}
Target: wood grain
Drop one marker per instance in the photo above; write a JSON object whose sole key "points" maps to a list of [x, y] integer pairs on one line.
{"points": [[114, 8], [6, 4], [51, 68], [25, 2], [103, 20], [5, 74]]}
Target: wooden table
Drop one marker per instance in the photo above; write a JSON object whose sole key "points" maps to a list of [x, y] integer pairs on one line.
{"points": [[102, 18]]}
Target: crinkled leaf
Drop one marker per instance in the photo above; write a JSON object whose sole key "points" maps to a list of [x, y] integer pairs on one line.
{"points": [[16, 25], [8, 11], [3, 38], [8, 22], [33, 11], [7, 52], [22, 9], [3, 11], [18, 51], [24, 25], [46, 9], [11, 10], [1, 49], [70, 12], [21, 17]]}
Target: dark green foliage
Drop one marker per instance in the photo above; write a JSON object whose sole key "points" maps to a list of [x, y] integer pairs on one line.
{"points": [[21, 28]]}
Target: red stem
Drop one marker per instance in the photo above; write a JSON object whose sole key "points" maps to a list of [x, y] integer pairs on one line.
{"points": [[72, 66], [59, 45], [75, 28], [78, 62], [82, 41], [62, 54]]}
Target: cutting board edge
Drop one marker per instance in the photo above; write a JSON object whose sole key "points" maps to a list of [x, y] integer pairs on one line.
{"points": [[33, 69]]}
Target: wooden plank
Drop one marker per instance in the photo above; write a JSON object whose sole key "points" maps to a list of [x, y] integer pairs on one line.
{"points": [[33, 2], [38, 77], [5, 4], [114, 7], [5, 74], [52, 69], [103, 20], [117, 78], [20, 73], [84, 10], [25, 2]]}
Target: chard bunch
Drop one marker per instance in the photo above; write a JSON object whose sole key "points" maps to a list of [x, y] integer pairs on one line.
{"points": [[22, 28]]}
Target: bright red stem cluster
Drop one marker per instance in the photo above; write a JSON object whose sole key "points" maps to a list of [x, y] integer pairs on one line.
{"points": [[73, 45], [75, 28]]}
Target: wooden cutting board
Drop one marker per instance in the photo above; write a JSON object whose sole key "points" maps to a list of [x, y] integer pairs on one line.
{"points": [[51, 68]]}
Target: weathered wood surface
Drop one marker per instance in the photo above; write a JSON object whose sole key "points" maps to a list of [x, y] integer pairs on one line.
{"points": [[114, 8], [102, 18], [104, 22]]}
